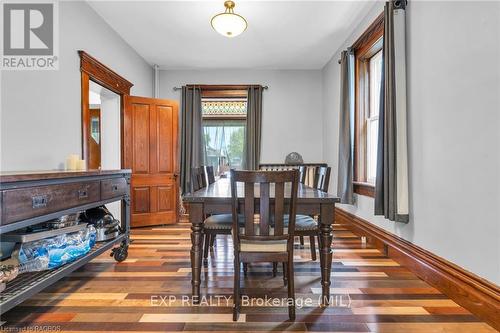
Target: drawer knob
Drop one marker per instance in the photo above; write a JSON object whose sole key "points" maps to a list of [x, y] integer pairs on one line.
{"points": [[39, 201], [82, 194], [114, 188]]}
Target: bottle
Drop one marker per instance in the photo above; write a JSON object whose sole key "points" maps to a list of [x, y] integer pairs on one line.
{"points": [[34, 265]]}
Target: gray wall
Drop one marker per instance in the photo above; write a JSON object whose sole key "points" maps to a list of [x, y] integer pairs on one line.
{"points": [[454, 138], [40, 110], [292, 106]]}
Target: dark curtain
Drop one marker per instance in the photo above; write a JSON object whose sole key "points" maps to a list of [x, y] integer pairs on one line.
{"points": [[346, 128], [191, 135], [391, 186], [254, 128]]}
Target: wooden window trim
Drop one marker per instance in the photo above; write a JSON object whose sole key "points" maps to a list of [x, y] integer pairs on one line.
{"points": [[365, 46], [207, 93], [366, 189], [217, 117]]}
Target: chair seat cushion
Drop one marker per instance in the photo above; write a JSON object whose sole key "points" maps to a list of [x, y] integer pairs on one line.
{"points": [[222, 221], [302, 222], [263, 246]]}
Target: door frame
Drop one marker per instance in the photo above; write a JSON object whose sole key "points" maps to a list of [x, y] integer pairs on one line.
{"points": [[93, 70]]}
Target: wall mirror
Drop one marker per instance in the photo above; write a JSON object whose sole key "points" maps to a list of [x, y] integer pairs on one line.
{"points": [[103, 124], [102, 92]]}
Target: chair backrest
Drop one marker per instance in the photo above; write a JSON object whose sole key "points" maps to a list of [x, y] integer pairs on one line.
{"points": [[302, 174], [322, 178], [271, 224], [210, 174], [198, 178]]}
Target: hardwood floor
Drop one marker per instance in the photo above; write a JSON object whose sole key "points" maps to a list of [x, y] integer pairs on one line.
{"points": [[150, 292]]}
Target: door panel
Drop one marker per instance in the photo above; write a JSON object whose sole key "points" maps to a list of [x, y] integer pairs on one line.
{"points": [[94, 138], [140, 200], [166, 201], [150, 150], [165, 139], [141, 137]]}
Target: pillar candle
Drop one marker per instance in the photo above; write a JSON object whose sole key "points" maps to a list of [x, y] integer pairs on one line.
{"points": [[80, 165], [70, 163]]}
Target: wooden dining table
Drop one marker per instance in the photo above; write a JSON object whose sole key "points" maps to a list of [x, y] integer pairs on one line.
{"points": [[216, 199]]}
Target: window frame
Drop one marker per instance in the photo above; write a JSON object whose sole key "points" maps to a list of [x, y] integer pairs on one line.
{"points": [[368, 44]]}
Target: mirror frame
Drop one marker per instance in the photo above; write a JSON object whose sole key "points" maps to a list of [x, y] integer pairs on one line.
{"points": [[93, 69]]}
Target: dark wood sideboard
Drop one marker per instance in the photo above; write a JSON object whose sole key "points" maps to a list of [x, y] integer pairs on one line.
{"points": [[28, 198]]}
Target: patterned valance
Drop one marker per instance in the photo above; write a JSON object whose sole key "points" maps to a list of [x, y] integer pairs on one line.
{"points": [[224, 108]]}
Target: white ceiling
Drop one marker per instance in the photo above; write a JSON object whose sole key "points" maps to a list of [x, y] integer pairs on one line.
{"points": [[280, 34]]}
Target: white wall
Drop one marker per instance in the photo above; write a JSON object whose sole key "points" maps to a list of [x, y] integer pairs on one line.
{"points": [[454, 139], [292, 106], [41, 111]]}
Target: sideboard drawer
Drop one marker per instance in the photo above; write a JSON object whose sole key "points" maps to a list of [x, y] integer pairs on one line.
{"points": [[112, 188], [25, 203]]}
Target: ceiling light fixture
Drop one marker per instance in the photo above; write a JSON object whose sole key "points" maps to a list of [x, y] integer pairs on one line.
{"points": [[228, 23]]}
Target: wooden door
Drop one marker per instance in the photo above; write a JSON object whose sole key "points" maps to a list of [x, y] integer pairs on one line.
{"points": [[150, 136], [94, 138]]}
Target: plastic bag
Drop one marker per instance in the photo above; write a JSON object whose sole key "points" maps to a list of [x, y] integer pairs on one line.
{"points": [[56, 251]]}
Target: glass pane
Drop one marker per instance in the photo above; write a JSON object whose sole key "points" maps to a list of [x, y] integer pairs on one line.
{"points": [[372, 137], [94, 129], [375, 77], [224, 144], [226, 107]]}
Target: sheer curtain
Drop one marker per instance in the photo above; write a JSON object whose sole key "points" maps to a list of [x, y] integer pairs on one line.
{"points": [[224, 144]]}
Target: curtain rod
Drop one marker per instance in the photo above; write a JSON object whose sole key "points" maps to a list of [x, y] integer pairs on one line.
{"points": [[221, 87]]}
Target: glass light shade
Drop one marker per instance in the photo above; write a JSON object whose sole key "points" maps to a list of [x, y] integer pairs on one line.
{"points": [[229, 24]]}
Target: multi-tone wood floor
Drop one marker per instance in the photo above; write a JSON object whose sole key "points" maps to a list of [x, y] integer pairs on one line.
{"points": [[148, 292]]}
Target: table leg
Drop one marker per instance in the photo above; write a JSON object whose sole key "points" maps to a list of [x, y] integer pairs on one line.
{"points": [[326, 236], [196, 219]]}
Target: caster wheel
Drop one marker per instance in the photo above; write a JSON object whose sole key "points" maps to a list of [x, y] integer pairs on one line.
{"points": [[120, 254]]}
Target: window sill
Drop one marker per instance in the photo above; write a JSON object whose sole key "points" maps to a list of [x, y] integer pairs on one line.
{"points": [[363, 188]]}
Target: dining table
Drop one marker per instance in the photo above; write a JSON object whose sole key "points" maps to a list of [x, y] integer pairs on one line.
{"points": [[216, 199]]}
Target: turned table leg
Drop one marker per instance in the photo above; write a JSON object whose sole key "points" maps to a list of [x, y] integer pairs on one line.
{"points": [[196, 219], [326, 236]]}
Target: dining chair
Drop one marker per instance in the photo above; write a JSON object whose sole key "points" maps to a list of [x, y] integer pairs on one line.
{"points": [[198, 178], [210, 174], [213, 225], [306, 225], [322, 178], [269, 239], [302, 174]]}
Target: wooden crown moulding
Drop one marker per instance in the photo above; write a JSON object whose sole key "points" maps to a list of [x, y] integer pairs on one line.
{"points": [[478, 295], [103, 75]]}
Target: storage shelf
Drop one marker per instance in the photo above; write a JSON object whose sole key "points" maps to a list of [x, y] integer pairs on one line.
{"points": [[28, 284]]}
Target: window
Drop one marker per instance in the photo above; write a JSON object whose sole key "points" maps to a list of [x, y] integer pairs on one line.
{"points": [[224, 125], [368, 74], [375, 68]]}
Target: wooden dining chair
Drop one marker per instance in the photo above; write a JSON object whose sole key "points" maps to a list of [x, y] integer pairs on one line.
{"points": [[302, 174], [213, 225], [269, 240], [306, 225], [322, 178], [210, 174], [198, 178]]}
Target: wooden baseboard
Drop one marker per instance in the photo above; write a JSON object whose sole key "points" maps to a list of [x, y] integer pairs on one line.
{"points": [[477, 295]]}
